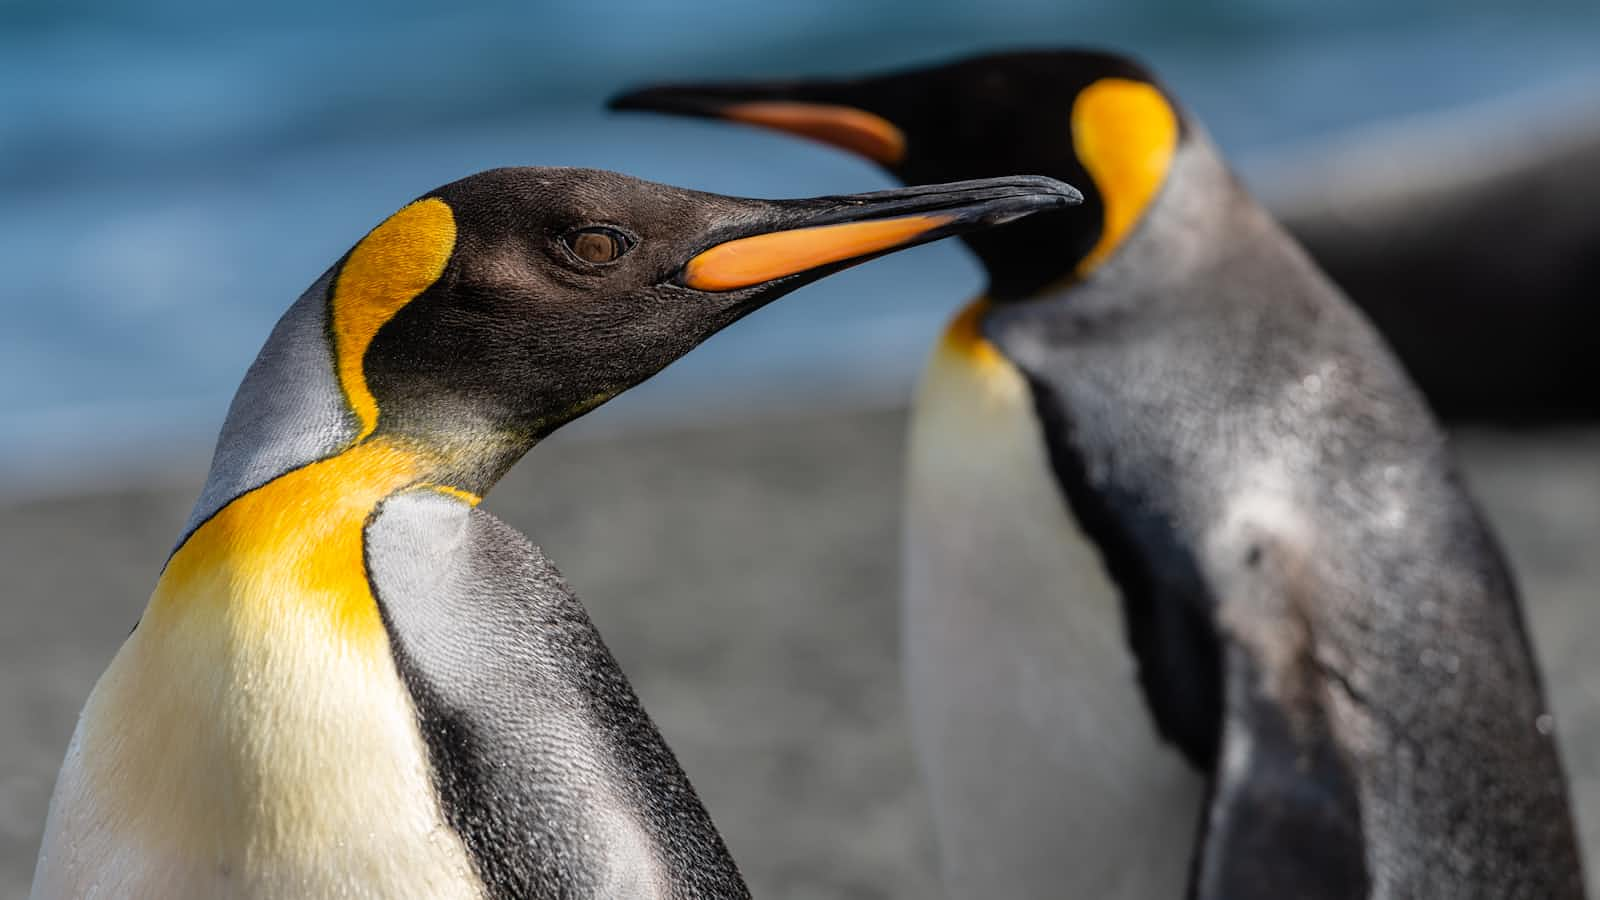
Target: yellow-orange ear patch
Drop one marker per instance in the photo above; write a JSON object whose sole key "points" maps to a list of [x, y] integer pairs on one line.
{"points": [[1125, 134], [398, 260]]}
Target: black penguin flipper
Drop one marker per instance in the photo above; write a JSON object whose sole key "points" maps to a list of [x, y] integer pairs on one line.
{"points": [[1283, 818], [546, 764]]}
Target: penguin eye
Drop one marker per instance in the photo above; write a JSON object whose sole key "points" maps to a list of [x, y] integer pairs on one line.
{"points": [[598, 244]]}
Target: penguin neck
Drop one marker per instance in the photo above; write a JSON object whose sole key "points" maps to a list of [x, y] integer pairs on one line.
{"points": [[291, 412], [294, 542], [1172, 236], [467, 457], [1025, 259]]}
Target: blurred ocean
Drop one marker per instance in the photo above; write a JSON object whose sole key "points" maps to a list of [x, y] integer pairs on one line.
{"points": [[175, 172]]}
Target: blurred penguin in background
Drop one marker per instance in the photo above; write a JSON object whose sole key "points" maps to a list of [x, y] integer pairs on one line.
{"points": [[1195, 602]]}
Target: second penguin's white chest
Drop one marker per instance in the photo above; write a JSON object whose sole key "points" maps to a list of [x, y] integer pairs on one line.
{"points": [[1043, 764]]}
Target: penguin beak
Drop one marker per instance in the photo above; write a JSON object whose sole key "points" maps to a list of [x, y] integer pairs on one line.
{"points": [[777, 107], [797, 241]]}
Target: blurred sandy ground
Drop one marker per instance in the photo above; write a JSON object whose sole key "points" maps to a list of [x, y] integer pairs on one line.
{"points": [[745, 576]]}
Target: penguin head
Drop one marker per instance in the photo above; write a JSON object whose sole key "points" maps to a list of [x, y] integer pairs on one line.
{"points": [[484, 315], [1096, 120]]}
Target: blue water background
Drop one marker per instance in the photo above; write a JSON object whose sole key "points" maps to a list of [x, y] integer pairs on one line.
{"points": [[174, 173]]}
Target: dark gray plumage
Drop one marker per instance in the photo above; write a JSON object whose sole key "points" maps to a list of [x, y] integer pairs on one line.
{"points": [[550, 770], [1217, 412]]}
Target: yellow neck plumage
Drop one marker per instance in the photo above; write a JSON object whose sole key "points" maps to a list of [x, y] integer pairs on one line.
{"points": [[299, 535], [302, 531]]}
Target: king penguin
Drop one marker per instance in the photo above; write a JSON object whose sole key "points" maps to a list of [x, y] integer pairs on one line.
{"points": [[1195, 601], [350, 681]]}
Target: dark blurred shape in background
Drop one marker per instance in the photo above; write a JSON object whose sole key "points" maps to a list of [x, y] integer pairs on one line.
{"points": [[1472, 241]]}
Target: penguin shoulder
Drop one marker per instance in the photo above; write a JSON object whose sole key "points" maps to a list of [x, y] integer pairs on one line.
{"points": [[545, 761]]}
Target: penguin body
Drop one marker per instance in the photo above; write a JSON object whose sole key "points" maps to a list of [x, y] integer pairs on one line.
{"points": [[210, 762], [1309, 615], [351, 681]]}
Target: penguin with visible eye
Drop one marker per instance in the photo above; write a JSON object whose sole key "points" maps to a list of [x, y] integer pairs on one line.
{"points": [[350, 680], [1194, 597]]}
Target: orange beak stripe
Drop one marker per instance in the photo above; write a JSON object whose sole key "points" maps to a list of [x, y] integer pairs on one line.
{"points": [[752, 260], [844, 127]]}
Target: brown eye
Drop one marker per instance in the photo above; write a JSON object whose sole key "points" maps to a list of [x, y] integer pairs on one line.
{"points": [[597, 245]]}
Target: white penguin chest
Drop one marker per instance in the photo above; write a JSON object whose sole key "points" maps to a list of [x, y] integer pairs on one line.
{"points": [[252, 738], [1042, 759]]}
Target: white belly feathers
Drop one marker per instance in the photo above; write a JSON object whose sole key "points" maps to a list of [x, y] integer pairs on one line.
{"points": [[1046, 774]]}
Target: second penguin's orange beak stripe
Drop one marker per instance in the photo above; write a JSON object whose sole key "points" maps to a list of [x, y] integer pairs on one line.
{"points": [[744, 262], [845, 127]]}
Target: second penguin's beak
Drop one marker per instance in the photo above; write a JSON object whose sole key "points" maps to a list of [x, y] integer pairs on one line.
{"points": [[797, 241], [780, 107]]}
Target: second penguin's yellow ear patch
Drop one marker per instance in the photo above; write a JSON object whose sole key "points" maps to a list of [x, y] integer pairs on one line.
{"points": [[1125, 134], [394, 263]]}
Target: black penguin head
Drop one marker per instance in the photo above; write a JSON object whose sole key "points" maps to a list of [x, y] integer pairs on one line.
{"points": [[500, 306], [1096, 120]]}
